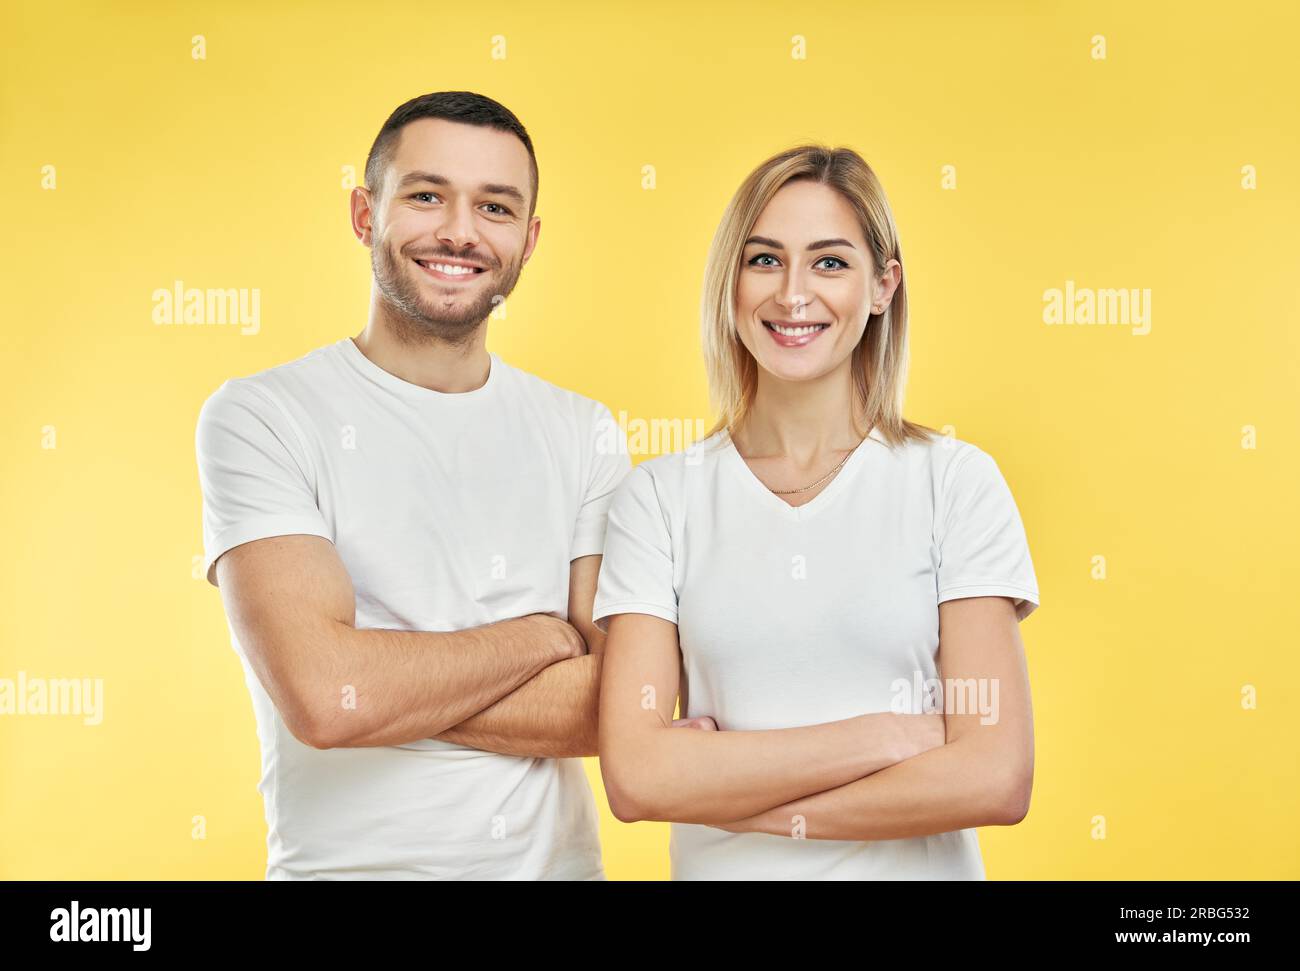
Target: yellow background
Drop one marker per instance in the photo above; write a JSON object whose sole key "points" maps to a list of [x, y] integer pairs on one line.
{"points": [[1122, 172]]}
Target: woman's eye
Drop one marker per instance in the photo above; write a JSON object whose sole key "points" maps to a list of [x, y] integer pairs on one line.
{"points": [[419, 194], [835, 261]]}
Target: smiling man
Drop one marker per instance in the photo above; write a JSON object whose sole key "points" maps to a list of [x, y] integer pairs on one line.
{"points": [[406, 532]]}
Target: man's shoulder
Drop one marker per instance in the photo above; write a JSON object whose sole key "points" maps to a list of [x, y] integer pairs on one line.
{"points": [[544, 393], [304, 366], [272, 386]]}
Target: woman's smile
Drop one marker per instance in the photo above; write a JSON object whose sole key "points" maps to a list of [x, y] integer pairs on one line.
{"points": [[792, 334]]}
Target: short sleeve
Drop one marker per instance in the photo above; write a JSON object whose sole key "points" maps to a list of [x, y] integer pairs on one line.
{"points": [[636, 574], [253, 470], [609, 464], [983, 550]]}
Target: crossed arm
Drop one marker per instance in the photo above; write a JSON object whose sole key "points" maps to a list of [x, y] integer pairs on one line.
{"points": [[525, 686], [877, 776], [554, 713]]}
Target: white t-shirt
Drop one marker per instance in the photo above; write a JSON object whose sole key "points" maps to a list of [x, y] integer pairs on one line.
{"points": [[797, 615], [449, 511]]}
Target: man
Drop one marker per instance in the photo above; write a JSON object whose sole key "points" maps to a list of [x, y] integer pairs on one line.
{"points": [[406, 532]]}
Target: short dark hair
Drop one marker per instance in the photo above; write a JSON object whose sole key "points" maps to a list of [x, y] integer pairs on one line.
{"points": [[465, 107]]}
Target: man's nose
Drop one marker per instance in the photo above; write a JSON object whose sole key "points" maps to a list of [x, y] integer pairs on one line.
{"points": [[457, 228]]}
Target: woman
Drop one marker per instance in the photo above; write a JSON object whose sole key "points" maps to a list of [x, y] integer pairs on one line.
{"points": [[791, 576]]}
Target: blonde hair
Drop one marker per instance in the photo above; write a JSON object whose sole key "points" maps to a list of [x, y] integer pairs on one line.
{"points": [[880, 358]]}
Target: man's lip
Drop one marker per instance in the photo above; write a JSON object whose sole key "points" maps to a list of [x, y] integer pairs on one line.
{"points": [[448, 262], [427, 267]]}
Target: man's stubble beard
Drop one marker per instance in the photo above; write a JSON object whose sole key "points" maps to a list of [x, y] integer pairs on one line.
{"points": [[416, 318]]}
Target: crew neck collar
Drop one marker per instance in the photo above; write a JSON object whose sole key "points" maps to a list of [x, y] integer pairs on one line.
{"points": [[415, 392]]}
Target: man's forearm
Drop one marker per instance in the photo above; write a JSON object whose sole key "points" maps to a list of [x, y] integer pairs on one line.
{"points": [[955, 786], [553, 715], [388, 687]]}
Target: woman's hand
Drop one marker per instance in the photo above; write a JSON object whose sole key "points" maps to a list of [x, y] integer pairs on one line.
{"points": [[920, 733], [702, 722], [913, 735]]}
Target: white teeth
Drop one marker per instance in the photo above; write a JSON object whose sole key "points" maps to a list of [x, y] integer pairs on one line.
{"points": [[448, 268], [796, 331]]}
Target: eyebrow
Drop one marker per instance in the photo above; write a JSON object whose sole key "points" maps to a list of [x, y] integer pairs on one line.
{"points": [[818, 244], [492, 188]]}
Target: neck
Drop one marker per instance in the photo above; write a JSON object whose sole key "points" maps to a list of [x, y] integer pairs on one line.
{"points": [[801, 420], [402, 348]]}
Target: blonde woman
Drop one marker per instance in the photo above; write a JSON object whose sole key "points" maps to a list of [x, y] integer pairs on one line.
{"points": [[833, 592]]}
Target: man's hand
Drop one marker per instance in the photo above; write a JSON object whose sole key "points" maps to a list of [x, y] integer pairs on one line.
{"points": [[569, 642], [553, 715]]}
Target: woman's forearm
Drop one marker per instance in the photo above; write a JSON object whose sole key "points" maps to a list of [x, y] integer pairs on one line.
{"points": [[968, 782], [692, 776]]}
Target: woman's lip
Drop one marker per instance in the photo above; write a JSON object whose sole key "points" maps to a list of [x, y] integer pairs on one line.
{"points": [[449, 277], [801, 341]]}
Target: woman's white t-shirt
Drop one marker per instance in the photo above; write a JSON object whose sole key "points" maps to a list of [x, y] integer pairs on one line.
{"points": [[798, 615]]}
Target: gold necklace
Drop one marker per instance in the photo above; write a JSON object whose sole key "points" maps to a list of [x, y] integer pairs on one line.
{"points": [[790, 492]]}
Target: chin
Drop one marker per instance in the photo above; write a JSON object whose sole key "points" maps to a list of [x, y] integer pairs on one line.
{"points": [[794, 370]]}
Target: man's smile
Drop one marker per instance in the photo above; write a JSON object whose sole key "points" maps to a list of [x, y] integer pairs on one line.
{"points": [[450, 270]]}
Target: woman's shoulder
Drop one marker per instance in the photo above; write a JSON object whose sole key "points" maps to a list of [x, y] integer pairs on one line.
{"points": [[672, 475], [702, 454], [932, 461], [933, 449]]}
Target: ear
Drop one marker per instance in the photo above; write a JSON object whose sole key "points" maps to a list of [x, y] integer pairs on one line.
{"points": [[885, 285], [534, 230], [362, 203]]}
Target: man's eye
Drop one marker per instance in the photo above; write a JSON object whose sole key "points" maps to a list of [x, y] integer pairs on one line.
{"points": [[761, 256], [419, 194], [504, 210], [836, 259]]}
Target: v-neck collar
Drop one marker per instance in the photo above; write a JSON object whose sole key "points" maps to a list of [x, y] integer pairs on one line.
{"points": [[739, 469]]}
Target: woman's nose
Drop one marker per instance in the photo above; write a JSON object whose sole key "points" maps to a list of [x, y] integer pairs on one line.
{"points": [[791, 297]]}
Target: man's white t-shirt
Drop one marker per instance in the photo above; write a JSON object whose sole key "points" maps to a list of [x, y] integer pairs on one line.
{"points": [[797, 615], [449, 511]]}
